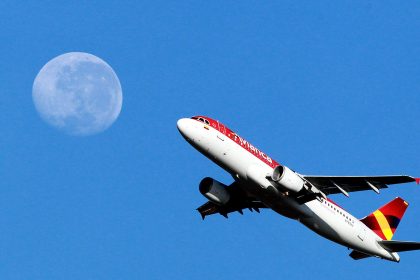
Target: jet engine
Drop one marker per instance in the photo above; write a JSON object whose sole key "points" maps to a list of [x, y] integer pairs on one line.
{"points": [[287, 179], [214, 191]]}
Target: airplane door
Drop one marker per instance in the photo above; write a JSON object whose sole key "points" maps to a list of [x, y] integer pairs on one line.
{"points": [[222, 128], [362, 233], [224, 147], [221, 133]]}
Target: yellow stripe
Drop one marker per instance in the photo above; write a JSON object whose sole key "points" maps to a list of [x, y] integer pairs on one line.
{"points": [[383, 223]]}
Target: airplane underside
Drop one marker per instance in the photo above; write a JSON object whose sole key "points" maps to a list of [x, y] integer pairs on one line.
{"points": [[261, 182]]}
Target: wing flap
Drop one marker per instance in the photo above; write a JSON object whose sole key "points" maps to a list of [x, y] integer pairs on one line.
{"points": [[332, 184], [211, 208], [238, 202]]}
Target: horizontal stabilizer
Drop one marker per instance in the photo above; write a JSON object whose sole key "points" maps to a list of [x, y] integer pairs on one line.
{"points": [[356, 255], [399, 246]]}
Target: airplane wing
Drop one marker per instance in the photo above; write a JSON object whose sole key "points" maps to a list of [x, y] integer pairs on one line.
{"points": [[238, 202], [345, 184], [211, 208]]}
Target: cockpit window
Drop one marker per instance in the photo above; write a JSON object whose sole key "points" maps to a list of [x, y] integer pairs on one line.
{"points": [[203, 120]]}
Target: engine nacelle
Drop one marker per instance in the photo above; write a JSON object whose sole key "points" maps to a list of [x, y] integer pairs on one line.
{"points": [[287, 179], [214, 191]]}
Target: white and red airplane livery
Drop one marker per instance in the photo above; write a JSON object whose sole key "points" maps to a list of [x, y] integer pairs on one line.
{"points": [[261, 182]]}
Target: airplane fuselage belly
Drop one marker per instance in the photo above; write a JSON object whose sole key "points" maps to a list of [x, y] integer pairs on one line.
{"points": [[319, 215]]}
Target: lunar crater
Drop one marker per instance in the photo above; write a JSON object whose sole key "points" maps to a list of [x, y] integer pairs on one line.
{"points": [[78, 93]]}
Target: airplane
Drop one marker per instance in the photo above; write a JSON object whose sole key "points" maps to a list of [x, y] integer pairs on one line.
{"points": [[261, 182]]}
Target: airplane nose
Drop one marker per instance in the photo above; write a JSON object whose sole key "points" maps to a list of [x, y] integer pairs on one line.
{"points": [[182, 125]]}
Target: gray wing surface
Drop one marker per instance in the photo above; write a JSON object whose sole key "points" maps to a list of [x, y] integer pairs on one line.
{"points": [[332, 184], [210, 208], [238, 202]]}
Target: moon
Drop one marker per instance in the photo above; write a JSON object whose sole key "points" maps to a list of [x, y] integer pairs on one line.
{"points": [[77, 93]]}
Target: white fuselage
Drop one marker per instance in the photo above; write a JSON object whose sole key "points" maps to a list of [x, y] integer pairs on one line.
{"points": [[320, 215]]}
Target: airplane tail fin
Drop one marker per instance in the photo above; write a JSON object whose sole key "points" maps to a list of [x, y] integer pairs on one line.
{"points": [[385, 220]]}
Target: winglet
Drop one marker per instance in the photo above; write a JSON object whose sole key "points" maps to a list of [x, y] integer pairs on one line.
{"points": [[417, 180]]}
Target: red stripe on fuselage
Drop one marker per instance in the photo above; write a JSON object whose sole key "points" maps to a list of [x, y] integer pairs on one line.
{"points": [[239, 141], [246, 145]]}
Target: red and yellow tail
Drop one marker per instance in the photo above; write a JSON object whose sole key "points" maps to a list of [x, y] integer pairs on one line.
{"points": [[385, 220]]}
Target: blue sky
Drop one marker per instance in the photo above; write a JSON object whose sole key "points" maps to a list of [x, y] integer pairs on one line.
{"points": [[328, 88]]}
